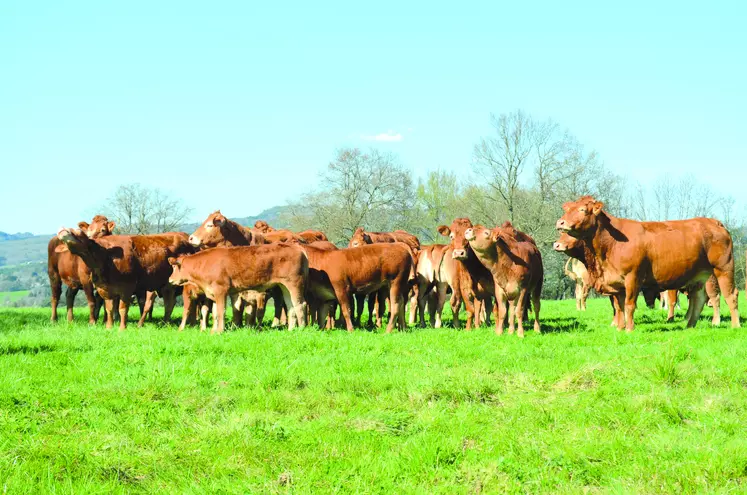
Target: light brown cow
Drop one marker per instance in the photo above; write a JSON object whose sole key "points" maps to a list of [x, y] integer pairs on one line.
{"points": [[576, 271], [123, 265], [222, 271], [306, 236], [473, 283], [365, 269], [516, 265], [632, 255], [433, 274], [65, 267]]}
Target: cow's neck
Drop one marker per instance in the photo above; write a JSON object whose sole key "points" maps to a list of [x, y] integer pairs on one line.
{"points": [[474, 267], [236, 235]]}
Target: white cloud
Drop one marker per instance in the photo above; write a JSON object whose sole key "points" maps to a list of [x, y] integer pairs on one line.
{"points": [[389, 136]]}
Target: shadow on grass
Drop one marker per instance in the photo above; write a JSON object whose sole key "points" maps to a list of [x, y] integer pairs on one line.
{"points": [[26, 349], [563, 325]]}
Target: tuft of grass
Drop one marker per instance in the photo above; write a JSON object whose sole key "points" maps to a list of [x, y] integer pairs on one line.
{"points": [[581, 408]]}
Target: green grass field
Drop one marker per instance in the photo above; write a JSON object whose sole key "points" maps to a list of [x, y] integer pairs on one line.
{"points": [[13, 296], [580, 409]]}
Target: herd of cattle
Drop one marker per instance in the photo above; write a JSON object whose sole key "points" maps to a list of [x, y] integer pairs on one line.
{"points": [[496, 271]]}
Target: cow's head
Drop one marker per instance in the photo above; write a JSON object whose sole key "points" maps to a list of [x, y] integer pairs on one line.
{"points": [[212, 231], [480, 238], [459, 244], [77, 242], [263, 227], [177, 276], [100, 226], [580, 217], [570, 246], [360, 237]]}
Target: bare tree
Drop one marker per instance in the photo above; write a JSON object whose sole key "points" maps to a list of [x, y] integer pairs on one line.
{"points": [[138, 209], [370, 189]]}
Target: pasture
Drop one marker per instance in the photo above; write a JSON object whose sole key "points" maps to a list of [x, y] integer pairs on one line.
{"points": [[580, 409]]}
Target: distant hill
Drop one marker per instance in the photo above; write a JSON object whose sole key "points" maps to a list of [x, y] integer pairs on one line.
{"points": [[15, 237], [17, 249]]}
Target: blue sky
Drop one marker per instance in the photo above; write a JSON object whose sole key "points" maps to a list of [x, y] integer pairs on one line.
{"points": [[238, 106]]}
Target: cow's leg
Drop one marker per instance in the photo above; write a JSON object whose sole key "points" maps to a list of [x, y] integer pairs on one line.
{"points": [[360, 300], [697, 299], [250, 309], [432, 301], [477, 303], [261, 308], [141, 300], [323, 314], [55, 283], [188, 309], [469, 308], [124, 308], [296, 306], [204, 310], [502, 303], [381, 297], [584, 295], [714, 297], [150, 297], [511, 316], [579, 288], [671, 304], [109, 307], [413, 305], [725, 278], [70, 294], [520, 302], [219, 313], [169, 301], [422, 299], [631, 296], [487, 305], [396, 310], [90, 293], [237, 309], [536, 303], [344, 299], [456, 304], [375, 307], [441, 294]]}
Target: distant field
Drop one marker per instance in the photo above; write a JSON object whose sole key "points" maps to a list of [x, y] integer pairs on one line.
{"points": [[13, 296], [580, 409]]}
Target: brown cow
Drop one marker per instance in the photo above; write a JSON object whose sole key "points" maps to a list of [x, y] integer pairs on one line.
{"points": [[433, 274], [516, 265], [576, 271], [63, 266], [306, 236], [632, 255], [123, 265], [361, 237], [365, 269], [473, 283], [222, 271]]}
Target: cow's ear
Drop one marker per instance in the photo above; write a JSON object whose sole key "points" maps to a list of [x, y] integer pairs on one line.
{"points": [[597, 208], [359, 230], [83, 225], [62, 248], [495, 234], [444, 230], [219, 221], [367, 239], [111, 226], [174, 261]]}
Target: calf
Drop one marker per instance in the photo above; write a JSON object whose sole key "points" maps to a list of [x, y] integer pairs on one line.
{"points": [[63, 266], [336, 275], [124, 265], [222, 271], [361, 237], [516, 266], [632, 255], [473, 283], [576, 271]]}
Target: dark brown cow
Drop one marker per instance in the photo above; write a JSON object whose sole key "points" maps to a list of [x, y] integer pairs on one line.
{"points": [[63, 266], [473, 283], [516, 265], [222, 271], [632, 255], [123, 265], [336, 275]]}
